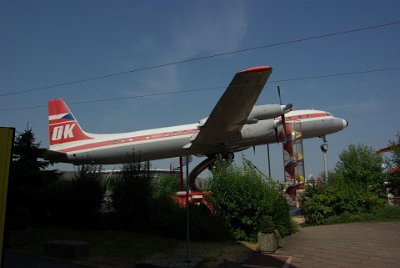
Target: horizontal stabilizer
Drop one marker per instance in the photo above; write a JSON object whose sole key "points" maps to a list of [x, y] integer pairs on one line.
{"points": [[54, 156]]}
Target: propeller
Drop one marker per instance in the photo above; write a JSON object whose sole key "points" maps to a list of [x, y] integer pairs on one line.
{"points": [[283, 119], [283, 115]]}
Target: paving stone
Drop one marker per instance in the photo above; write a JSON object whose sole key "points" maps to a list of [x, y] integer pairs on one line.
{"points": [[345, 245]]}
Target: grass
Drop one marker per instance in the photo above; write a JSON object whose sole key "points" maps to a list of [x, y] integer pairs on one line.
{"points": [[122, 249], [386, 213]]}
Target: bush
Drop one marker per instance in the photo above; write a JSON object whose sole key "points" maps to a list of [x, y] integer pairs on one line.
{"points": [[337, 198], [354, 188], [267, 224], [204, 226], [278, 208], [169, 219], [142, 205], [384, 213], [132, 195], [393, 175], [241, 198], [19, 220], [86, 196], [166, 186], [55, 202]]}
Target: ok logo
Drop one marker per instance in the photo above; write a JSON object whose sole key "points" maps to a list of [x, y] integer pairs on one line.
{"points": [[61, 132]]}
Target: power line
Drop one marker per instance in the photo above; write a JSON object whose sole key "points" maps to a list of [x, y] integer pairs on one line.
{"points": [[201, 58], [173, 92]]}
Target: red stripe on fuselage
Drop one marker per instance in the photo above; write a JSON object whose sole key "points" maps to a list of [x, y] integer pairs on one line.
{"points": [[132, 139], [159, 136]]}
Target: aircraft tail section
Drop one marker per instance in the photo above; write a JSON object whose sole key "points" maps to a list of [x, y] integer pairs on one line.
{"points": [[64, 129]]}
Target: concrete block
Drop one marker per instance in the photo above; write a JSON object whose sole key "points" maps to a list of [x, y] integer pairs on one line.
{"points": [[267, 242]]}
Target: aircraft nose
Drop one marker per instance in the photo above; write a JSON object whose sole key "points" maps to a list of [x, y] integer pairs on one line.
{"points": [[345, 123]]}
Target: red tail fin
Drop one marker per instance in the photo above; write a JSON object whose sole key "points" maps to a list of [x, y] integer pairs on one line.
{"points": [[63, 127]]}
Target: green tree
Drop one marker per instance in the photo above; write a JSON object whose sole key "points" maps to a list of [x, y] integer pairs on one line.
{"points": [[26, 167], [26, 179], [360, 164]]}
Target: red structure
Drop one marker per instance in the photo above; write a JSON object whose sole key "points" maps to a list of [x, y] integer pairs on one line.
{"points": [[388, 148], [293, 160], [194, 198]]}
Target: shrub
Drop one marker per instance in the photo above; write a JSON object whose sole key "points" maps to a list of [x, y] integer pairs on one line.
{"points": [[393, 175], [166, 186], [337, 198], [55, 202], [86, 196], [267, 224], [241, 198], [169, 219], [20, 219], [354, 188], [132, 194], [278, 208]]}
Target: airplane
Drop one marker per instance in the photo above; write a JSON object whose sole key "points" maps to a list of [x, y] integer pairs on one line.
{"points": [[234, 124]]}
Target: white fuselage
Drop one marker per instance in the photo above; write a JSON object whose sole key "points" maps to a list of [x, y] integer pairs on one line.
{"points": [[170, 141]]}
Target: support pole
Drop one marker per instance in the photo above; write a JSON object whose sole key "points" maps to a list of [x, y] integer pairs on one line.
{"points": [[269, 166], [324, 149], [187, 212], [269, 162], [181, 186]]}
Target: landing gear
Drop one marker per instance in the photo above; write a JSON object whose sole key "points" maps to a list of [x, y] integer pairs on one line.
{"points": [[208, 162], [229, 156]]}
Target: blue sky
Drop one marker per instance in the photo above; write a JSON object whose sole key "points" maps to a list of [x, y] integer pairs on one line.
{"points": [[51, 42]]}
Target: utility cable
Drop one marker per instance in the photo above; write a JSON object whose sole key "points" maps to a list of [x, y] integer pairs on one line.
{"points": [[173, 92], [200, 58]]}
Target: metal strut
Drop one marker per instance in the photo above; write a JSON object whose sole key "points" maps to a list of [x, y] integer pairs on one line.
{"points": [[198, 169]]}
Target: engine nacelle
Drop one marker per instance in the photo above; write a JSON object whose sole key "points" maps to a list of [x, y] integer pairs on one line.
{"points": [[267, 111], [260, 130]]}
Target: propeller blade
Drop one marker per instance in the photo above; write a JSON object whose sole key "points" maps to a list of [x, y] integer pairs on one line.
{"points": [[276, 134], [288, 106], [284, 123], [279, 94]]}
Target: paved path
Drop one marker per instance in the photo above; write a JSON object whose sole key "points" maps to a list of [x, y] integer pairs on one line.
{"points": [[345, 245], [16, 260]]}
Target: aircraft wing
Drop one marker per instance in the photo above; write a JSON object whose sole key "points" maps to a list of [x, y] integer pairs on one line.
{"points": [[232, 110]]}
